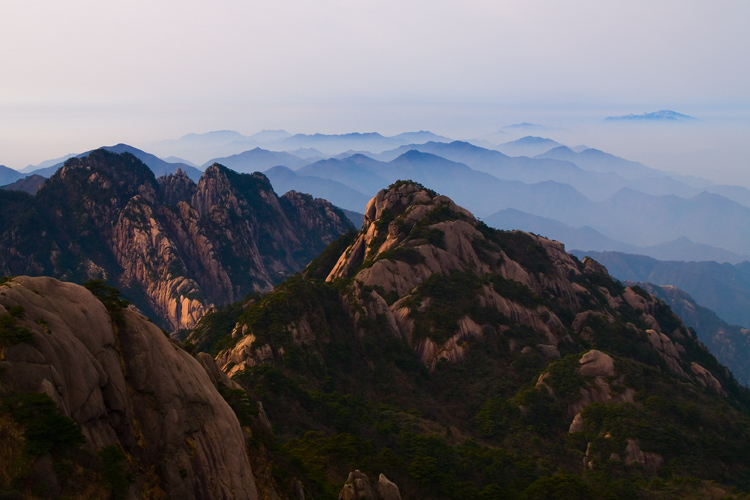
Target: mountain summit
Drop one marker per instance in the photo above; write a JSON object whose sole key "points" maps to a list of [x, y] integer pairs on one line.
{"points": [[175, 247], [468, 362]]}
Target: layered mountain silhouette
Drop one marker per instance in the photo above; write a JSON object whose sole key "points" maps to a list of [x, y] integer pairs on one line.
{"points": [[29, 184], [201, 148], [157, 165], [612, 196], [664, 115], [258, 160], [628, 215], [528, 146], [8, 175], [577, 238], [284, 179]]}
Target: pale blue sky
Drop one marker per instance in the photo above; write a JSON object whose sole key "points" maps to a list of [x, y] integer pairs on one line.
{"points": [[79, 73]]}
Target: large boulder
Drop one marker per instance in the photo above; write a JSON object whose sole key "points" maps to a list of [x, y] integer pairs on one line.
{"points": [[597, 364]]}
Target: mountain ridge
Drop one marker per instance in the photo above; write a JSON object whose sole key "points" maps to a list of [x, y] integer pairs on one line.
{"points": [[174, 246], [441, 339], [661, 116]]}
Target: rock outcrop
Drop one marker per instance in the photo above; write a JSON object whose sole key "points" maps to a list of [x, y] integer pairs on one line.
{"points": [[634, 455], [358, 487], [597, 364], [175, 248], [129, 386], [729, 343]]}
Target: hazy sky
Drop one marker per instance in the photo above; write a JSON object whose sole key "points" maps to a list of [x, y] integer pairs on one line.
{"points": [[79, 74]]}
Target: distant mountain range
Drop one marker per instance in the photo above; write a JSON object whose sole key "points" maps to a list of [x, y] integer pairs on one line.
{"points": [[582, 196], [527, 146], [258, 160], [558, 164], [590, 239], [157, 165], [201, 148], [29, 184], [524, 126], [656, 116], [284, 179], [8, 175]]}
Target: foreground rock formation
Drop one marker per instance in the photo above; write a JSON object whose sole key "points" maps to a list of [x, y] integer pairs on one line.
{"points": [[127, 386], [176, 248]]}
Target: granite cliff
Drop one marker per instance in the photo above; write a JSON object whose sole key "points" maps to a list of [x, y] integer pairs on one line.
{"points": [[467, 362], [95, 402], [175, 248]]}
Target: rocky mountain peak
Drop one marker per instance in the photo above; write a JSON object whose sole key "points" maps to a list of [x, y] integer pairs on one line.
{"points": [[176, 187], [175, 247], [419, 254], [106, 171], [495, 336], [396, 198], [403, 214]]}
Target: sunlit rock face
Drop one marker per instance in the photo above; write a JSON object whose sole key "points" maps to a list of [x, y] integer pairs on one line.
{"points": [[414, 241], [176, 248]]}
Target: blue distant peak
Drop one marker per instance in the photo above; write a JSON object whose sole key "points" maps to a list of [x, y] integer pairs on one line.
{"points": [[663, 115]]}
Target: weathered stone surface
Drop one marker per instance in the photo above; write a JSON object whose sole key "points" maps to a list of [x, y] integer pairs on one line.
{"points": [[387, 489], [401, 246], [430, 353], [597, 364], [358, 487], [600, 392], [218, 377], [577, 424], [127, 386], [263, 420], [706, 378], [593, 267], [667, 350], [652, 462], [550, 351]]}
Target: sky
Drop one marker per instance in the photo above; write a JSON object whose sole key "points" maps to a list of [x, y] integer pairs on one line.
{"points": [[80, 74]]}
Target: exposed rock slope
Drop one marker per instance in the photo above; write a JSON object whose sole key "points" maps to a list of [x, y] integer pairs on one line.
{"points": [[729, 343], [414, 243], [437, 340], [127, 386], [175, 247]]}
